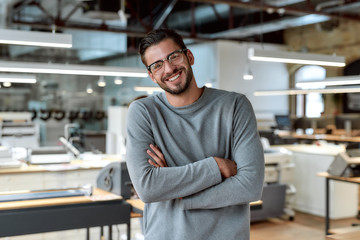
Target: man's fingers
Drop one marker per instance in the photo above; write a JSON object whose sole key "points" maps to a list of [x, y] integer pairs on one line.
{"points": [[153, 163], [160, 162], [157, 155]]}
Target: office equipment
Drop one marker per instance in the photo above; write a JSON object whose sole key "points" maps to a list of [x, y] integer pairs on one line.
{"points": [[283, 122], [70, 147], [7, 160], [343, 119], [115, 178], [45, 194], [345, 166], [57, 214], [19, 134], [279, 191], [49, 155]]}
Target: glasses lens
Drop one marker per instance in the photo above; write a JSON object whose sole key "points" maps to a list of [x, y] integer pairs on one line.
{"points": [[156, 66], [175, 58]]}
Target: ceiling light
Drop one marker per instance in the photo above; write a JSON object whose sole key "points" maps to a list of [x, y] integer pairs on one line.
{"points": [[89, 89], [333, 81], [17, 78], [101, 82], [7, 84], [306, 91], [248, 74], [31, 38], [56, 68], [149, 90], [118, 81], [296, 57]]}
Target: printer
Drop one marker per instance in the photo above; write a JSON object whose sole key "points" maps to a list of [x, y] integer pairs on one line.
{"points": [[346, 164], [278, 192], [7, 159]]}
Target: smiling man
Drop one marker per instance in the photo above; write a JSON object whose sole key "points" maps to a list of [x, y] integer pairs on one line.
{"points": [[193, 154]]}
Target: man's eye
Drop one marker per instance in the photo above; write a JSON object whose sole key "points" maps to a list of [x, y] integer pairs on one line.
{"points": [[157, 65], [174, 56]]}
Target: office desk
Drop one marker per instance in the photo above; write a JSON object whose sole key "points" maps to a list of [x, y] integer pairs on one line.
{"points": [[344, 236], [326, 137], [46, 215], [327, 189]]}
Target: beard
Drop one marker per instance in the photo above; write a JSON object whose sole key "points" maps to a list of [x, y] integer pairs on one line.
{"points": [[181, 87]]}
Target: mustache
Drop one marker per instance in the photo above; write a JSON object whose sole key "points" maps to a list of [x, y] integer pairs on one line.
{"points": [[174, 72]]}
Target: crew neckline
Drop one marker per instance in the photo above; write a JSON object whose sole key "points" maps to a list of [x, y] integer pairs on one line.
{"points": [[191, 107]]}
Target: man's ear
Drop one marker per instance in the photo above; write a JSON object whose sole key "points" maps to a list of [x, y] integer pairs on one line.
{"points": [[190, 57]]}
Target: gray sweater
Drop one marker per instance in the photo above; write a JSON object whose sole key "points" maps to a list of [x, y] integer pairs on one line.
{"points": [[188, 200]]}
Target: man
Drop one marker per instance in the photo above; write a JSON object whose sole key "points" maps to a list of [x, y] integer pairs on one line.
{"points": [[193, 154]]}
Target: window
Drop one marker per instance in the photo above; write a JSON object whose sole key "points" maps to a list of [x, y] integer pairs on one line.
{"points": [[311, 104]]}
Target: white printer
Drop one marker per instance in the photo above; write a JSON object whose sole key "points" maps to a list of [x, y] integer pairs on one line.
{"points": [[279, 191], [7, 159]]}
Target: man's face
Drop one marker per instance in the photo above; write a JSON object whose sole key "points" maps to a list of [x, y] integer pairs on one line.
{"points": [[173, 78]]}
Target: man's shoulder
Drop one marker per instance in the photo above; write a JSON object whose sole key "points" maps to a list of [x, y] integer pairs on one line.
{"points": [[225, 93], [147, 104]]}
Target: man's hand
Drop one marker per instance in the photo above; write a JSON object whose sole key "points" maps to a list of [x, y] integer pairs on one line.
{"points": [[158, 159], [227, 167]]}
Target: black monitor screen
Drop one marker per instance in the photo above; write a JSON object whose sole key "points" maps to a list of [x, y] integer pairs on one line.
{"points": [[283, 122], [353, 118]]}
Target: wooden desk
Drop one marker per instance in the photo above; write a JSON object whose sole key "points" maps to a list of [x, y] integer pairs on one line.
{"points": [[326, 137], [344, 236], [327, 188], [46, 215]]}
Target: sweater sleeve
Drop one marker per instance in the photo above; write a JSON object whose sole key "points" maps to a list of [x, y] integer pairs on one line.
{"points": [[160, 184], [247, 184]]}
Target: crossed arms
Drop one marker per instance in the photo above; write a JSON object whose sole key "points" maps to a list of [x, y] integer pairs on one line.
{"points": [[227, 167]]}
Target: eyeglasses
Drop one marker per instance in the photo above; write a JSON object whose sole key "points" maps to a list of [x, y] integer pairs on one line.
{"points": [[174, 58]]}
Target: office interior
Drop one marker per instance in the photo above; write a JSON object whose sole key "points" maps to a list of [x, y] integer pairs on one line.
{"points": [[65, 132]]}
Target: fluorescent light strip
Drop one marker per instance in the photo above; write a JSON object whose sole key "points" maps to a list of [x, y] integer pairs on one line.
{"points": [[334, 81], [306, 91], [73, 69], [31, 38], [148, 89], [295, 57], [17, 78]]}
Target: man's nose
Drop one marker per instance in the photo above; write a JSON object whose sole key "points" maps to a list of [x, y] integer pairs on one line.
{"points": [[168, 66]]}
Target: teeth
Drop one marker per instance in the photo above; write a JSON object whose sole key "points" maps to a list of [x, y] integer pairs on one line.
{"points": [[174, 78]]}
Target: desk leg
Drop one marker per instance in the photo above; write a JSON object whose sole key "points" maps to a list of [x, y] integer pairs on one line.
{"points": [[102, 233], [110, 232], [87, 233], [128, 230], [327, 207]]}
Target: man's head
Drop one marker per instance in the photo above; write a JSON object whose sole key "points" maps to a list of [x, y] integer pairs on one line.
{"points": [[168, 61], [155, 37]]}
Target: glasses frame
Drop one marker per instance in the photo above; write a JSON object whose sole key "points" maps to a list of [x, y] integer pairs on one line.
{"points": [[167, 58]]}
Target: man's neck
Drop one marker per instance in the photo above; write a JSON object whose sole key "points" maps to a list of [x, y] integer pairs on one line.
{"points": [[186, 98]]}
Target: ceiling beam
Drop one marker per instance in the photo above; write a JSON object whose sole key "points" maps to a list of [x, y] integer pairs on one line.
{"points": [[165, 14], [288, 10]]}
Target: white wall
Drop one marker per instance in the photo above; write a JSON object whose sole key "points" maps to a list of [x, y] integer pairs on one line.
{"points": [[223, 64], [232, 60]]}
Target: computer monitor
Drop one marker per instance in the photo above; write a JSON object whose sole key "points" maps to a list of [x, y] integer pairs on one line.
{"points": [[283, 122], [352, 117]]}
